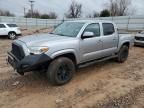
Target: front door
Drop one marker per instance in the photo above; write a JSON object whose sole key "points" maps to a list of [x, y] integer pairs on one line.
{"points": [[90, 47]]}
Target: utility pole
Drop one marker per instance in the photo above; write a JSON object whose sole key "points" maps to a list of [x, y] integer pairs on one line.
{"points": [[24, 11], [32, 5]]}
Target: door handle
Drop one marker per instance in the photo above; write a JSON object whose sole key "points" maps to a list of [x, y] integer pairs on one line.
{"points": [[100, 40]]}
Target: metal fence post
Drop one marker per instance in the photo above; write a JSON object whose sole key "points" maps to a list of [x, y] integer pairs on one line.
{"points": [[46, 23], [128, 23], [143, 26], [26, 23], [14, 20], [36, 24], [112, 19]]}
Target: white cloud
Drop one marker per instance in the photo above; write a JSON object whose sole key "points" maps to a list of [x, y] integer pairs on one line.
{"points": [[61, 6]]}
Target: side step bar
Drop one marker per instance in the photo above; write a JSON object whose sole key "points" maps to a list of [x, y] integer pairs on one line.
{"points": [[96, 61]]}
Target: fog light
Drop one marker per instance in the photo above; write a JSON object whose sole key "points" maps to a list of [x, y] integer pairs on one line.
{"points": [[25, 66]]}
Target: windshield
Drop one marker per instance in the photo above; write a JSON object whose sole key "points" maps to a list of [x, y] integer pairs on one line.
{"points": [[69, 29]]}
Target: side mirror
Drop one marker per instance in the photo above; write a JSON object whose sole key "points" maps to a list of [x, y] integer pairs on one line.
{"points": [[87, 35]]}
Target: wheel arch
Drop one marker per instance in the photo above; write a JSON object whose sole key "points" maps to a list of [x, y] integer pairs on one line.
{"points": [[66, 53], [127, 43], [11, 32]]}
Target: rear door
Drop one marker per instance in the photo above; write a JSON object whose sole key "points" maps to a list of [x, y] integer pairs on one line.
{"points": [[109, 39], [3, 29]]}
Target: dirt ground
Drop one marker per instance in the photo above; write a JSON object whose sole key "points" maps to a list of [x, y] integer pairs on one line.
{"points": [[103, 85]]}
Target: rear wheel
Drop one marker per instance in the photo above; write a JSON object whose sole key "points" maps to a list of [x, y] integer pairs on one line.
{"points": [[60, 71], [123, 54], [12, 35]]}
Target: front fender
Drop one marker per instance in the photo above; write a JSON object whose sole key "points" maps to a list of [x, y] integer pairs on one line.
{"points": [[66, 51]]}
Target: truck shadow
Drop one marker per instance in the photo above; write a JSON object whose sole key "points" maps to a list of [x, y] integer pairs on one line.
{"points": [[95, 67], [39, 81], [4, 38], [139, 46]]}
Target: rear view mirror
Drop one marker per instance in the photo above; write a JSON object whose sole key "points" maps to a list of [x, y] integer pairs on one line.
{"points": [[87, 35]]}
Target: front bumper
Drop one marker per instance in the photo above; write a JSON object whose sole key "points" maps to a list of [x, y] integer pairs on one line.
{"points": [[28, 63], [140, 43]]}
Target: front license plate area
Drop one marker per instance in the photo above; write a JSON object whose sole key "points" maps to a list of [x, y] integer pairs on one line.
{"points": [[12, 61]]}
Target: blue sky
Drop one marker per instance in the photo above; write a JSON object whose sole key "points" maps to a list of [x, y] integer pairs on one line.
{"points": [[61, 6]]}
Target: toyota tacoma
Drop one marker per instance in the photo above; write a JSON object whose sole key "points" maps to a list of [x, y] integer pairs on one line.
{"points": [[72, 45]]}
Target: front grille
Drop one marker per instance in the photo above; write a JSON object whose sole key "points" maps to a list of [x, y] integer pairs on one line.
{"points": [[17, 51], [139, 38]]}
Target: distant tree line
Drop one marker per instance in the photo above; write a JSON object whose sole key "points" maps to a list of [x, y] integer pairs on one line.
{"points": [[75, 10], [112, 8], [5, 13], [36, 14]]}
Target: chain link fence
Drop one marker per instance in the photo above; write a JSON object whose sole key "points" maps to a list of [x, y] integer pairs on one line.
{"points": [[134, 23]]}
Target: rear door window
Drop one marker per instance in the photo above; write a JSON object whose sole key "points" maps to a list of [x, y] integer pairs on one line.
{"points": [[108, 28]]}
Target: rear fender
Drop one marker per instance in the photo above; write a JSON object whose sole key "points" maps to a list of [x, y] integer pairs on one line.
{"points": [[122, 43]]}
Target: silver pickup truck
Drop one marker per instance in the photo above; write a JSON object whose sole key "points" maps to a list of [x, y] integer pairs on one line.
{"points": [[71, 45]]}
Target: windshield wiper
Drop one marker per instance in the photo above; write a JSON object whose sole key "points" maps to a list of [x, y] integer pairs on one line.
{"points": [[60, 34], [51, 33], [56, 34]]}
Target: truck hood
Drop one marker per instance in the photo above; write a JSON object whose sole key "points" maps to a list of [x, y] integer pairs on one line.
{"points": [[43, 39]]}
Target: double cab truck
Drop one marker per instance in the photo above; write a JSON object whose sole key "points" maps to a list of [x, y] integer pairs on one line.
{"points": [[72, 45]]}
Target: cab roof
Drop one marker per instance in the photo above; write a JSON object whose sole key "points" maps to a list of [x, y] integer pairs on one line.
{"points": [[91, 21]]}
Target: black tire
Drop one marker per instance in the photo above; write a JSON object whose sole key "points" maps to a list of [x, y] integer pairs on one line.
{"points": [[123, 54], [60, 71], [12, 35]]}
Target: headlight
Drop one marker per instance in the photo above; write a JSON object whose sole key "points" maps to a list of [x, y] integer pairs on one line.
{"points": [[38, 50]]}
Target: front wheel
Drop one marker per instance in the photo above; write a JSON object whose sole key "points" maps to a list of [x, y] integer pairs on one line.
{"points": [[123, 54], [12, 35], [60, 71]]}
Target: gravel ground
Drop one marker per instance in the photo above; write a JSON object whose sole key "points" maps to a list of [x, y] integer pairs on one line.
{"points": [[103, 85]]}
